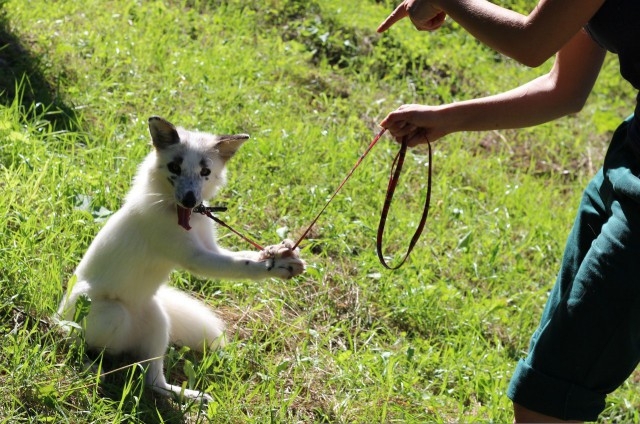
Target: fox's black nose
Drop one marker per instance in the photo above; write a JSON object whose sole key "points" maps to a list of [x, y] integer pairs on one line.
{"points": [[189, 200]]}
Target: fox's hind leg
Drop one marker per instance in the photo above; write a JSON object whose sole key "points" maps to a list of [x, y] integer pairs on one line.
{"points": [[108, 326], [153, 344], [191, 322], [143, 332]]}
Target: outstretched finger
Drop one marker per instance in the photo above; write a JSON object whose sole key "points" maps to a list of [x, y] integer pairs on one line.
{"points": [[399, 13]]}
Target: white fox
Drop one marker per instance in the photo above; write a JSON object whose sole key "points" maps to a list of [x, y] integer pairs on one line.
{"points": [[125, 270]]}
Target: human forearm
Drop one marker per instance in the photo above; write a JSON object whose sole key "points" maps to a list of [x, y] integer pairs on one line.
{"points": [[536, 102], [530, 39], [501, 29], [528, 105], [562, 91]]}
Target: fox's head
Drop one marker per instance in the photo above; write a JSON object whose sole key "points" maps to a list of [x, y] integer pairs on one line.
{"points": [[192, 163]]}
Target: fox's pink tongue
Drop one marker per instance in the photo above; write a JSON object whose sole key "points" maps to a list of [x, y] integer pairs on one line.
{"points": [[183, 217]]}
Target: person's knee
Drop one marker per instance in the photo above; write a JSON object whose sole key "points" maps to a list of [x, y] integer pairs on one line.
{"points": [[525, 415]]}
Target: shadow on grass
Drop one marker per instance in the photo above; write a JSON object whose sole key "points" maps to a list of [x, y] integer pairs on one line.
{"points": [[23, 84]]}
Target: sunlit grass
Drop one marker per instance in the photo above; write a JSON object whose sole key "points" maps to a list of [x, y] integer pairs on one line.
{"points": [[348, 341]]}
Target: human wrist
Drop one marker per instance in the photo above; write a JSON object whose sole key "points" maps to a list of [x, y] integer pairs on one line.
{"points": [[450, 119]]}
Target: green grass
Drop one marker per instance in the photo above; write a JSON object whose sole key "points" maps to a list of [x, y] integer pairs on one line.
{"points": [[348, 341]]}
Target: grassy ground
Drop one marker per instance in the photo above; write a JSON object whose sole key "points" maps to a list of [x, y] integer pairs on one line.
{"points": [[348, 341]]}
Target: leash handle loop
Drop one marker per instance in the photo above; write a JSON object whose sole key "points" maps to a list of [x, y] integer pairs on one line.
{"points": [[396, 169]]}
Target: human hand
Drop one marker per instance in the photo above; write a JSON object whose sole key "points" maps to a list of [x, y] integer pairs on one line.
{"points": [[419, 124], [423, 15]]}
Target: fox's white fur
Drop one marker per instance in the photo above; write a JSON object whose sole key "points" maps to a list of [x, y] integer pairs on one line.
{"points": [[125, 270]]}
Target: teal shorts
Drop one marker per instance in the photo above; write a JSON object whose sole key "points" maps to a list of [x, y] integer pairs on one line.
{"points": [[588, 341]]}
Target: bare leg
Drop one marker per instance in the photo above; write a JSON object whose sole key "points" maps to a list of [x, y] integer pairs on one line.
{"points": [[524, 415]]}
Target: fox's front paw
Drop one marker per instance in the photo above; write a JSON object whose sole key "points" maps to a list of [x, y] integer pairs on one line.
{"points": [[282, 260]]}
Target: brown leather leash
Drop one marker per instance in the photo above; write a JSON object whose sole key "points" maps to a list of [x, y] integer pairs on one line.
{"points": [[396, 169], [208, 211]]}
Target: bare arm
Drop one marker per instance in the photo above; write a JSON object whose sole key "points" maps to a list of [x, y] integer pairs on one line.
{"points": [[562, 91], [530, 39]]}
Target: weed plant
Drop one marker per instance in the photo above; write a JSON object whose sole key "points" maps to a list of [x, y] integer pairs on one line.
{"points": [[348, 341]]}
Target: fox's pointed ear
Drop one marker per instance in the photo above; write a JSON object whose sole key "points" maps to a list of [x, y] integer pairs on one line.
{"points": [[228, 145], [163, 133]]}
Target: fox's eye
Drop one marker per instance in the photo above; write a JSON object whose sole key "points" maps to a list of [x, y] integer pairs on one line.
{"points": [[205, 172], [174, 168]]}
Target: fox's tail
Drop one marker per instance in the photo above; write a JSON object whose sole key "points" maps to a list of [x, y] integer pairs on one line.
{"points": [[192, 323]]}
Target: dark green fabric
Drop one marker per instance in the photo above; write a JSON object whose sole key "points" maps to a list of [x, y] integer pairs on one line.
{"points": [[588, 341], [615, 27]]}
